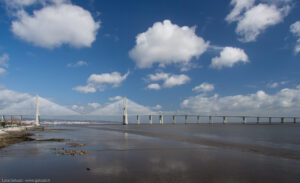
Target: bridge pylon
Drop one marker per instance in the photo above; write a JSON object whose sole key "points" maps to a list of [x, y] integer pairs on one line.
{"points": [[125, 116]]}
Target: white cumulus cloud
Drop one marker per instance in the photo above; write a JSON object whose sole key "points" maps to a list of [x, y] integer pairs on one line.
{"points": [[276, 84], [77, 108], [100, 81], [116, 98], [157, 107], [94, 105], [159, 76], [4, 63], [204, 87], [153, 86], [169, 80], [253, 19], [114, 78], [4, 60], [176, 80], [295, 29], [229, 56], [165, 43], [239, 7], [2, 71], [87, 108], [273, 85], [55, 25], [80, 63], [19, 3], [85, 89], [284, 102]]}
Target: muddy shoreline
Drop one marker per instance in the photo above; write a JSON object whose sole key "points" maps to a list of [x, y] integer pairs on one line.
{"points": [[14, 138]]}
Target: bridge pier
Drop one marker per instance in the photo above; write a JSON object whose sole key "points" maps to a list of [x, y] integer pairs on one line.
{"points": [[224, 119], [210, 119], [138, 119], [161, 119], [244, 119]]}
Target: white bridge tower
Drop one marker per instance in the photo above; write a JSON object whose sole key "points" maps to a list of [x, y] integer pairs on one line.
{"points": [[125, 117], [37, 115]]}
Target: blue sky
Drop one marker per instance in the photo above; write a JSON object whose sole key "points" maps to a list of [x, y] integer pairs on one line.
{"points": [[158, 54]]}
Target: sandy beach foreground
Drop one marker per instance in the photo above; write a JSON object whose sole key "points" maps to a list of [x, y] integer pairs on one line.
{"points": [[144, 153]]}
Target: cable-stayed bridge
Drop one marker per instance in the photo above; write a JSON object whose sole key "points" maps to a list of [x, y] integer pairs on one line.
{"points": [[152, 118]]}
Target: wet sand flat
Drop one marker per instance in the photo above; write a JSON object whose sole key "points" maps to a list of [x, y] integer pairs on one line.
{"points": [[14, 138], [168, 153]]}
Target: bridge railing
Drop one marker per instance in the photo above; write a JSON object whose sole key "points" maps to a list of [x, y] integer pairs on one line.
{"points": [[210, 119]]}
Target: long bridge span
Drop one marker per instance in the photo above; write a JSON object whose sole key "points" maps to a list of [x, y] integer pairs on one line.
{"points": [[155, 118]]}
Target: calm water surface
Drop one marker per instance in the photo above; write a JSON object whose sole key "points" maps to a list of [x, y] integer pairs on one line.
{"points": [[159, 153]]}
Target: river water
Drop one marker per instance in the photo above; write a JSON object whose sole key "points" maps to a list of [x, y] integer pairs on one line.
{"points": [[157, 153]]}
